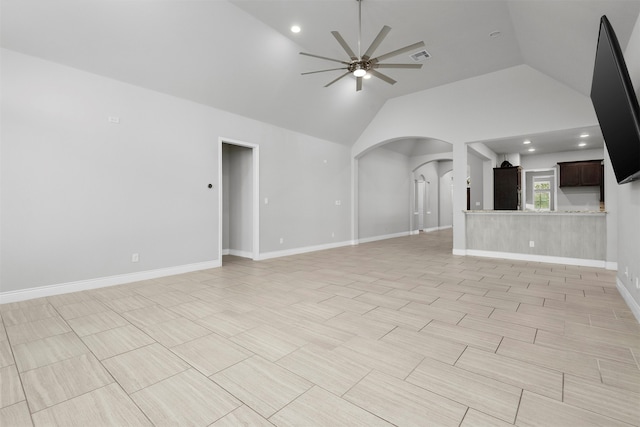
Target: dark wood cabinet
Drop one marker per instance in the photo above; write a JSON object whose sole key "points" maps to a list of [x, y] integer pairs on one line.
{"points": [[581, 174], [506, 188]]}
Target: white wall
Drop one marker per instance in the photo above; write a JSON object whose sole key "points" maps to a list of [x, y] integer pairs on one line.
{"points": [[628, 197], [80, 195], [384, 195]]}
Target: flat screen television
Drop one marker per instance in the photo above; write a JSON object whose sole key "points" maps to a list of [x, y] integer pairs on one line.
{"points": [[616, 105]]}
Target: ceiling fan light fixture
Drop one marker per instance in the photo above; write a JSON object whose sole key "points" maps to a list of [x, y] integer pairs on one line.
{"points": [[360, 72], [366, 76]]}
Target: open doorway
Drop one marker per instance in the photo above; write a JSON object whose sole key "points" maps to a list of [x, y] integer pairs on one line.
{"points": [[238, 199]]}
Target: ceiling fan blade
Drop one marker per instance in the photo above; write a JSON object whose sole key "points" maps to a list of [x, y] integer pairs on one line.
{"points": [[324, 57], [398, 52], [322, 71], [382, 77], [376, 42], [358, 84], [344, 45], [333, 81], [415, 66]]}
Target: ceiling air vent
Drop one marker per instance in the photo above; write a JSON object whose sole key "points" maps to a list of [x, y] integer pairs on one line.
{"points": [[420, 56]]}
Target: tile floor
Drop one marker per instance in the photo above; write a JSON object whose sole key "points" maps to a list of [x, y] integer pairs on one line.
{"points": [[395, 332]]}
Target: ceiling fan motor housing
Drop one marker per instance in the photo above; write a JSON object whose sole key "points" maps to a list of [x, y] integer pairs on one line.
{"points": [[360, 65]]}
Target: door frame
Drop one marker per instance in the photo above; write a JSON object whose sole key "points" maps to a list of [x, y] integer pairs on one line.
{"points": [[255, 160]]}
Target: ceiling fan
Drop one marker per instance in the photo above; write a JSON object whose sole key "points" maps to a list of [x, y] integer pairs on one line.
{"points": [[361, 65]]}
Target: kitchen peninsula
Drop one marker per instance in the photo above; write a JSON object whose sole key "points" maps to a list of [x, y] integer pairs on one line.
{"points": [[568, 237]]}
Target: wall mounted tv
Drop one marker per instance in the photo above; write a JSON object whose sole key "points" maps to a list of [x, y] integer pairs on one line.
{"points": [[616, 105]]}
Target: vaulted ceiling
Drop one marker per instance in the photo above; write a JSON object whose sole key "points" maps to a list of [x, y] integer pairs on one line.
{"points": [[240, 55]]}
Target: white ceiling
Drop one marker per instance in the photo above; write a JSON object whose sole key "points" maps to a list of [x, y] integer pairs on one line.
{"points": [[241, 57]]}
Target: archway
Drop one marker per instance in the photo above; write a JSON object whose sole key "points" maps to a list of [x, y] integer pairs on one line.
{"points": [[384, 186]]}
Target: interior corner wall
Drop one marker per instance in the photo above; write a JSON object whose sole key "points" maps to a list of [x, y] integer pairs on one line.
{"points": [[383, 194], [81, 194], [431, 203], [476, 167]]}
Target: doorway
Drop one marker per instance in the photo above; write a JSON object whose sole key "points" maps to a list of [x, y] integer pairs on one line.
{"points": [[238, 216]]}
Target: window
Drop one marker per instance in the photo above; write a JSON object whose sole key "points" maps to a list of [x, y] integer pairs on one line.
{"points": [[541, 195]]}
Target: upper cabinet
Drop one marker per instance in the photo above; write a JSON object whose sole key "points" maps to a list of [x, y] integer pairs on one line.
{"points": [[581, 174]]}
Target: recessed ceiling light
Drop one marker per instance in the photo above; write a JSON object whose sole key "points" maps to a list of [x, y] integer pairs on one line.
{"points": [[584, 135], [526, 142], [532, 149], [295, 29], [495, 34], [582, 144]]}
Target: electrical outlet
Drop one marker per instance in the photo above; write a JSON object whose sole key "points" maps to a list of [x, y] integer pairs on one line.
{"points": [[637, 283], [532, 244], [281, 240], [266, 200], [333, 234], [113, 119], [338, 202], [135, 258]]}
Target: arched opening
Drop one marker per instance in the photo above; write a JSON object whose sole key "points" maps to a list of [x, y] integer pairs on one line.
{"points": [[392, 196]]}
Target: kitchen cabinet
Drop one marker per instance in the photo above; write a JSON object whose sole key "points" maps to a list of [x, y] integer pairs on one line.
{"points": [[581, 174], [506, 188]]}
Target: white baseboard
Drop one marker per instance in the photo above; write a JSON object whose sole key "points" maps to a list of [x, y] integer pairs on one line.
{"points": [[101, 282], [444, 227], [628, 298], [429, 230], [534, 258], [610, 265], [384, 237], [303, 250]]}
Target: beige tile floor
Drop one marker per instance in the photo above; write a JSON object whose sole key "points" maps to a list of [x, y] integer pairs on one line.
{"points": [[396, 332]]}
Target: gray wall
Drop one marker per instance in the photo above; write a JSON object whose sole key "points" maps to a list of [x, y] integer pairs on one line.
{"points": [[445, 200], [384, 193], [80, 195]]}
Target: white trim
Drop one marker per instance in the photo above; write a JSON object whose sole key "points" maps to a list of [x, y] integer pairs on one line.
{"points": [[414, 232], [628, 298], [384, 237], [444, 227], [611, 265], [462, 252], [535, 258], [303, 250], [101, 282], [255, 156]]}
